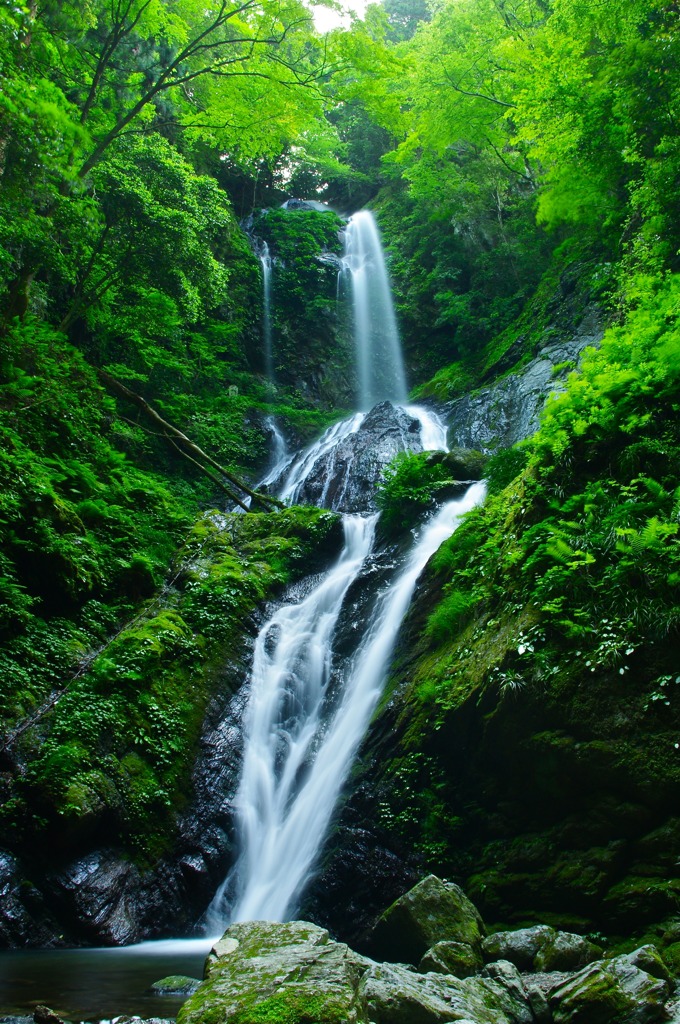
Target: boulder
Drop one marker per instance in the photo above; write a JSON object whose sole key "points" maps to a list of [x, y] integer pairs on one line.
{"points": [[44, 1015], [465, 463], [124, 1019], [293, 972], [519, 947], [566, 951], [541, 948], [394, 994], [630, 989], [457, 958], [175, 985], [433, 911]]}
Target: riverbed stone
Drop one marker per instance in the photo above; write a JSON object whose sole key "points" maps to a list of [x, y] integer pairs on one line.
{"points": [[46, 1015], [541, 948], [290, 972], [175, 985], [630, 989], [566, 951], [457, 958], [433, 911], [395, 994], [519, 946]]}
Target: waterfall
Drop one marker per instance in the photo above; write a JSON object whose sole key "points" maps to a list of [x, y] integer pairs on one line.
{"points": [[296, 760], [266, 261], [301, 733], [277, 824], [380, 367]]}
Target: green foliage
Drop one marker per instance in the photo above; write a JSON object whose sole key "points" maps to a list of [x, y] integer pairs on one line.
{"points": [[460, 276], [582, 546], [409, 487], [115, 752]]}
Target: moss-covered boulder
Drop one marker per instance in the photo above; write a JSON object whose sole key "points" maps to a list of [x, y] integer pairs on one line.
{"points": [[631, 989], [266, 973], [433, 911], [541, 948], [519, 946], [175, 985], [565, 951], [459, 959], [394, 994], [465, 463]]}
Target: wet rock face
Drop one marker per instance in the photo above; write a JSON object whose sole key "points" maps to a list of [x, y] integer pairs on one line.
{"points": [[24, 920], [507, 412], [345, 478], [101, 892]]}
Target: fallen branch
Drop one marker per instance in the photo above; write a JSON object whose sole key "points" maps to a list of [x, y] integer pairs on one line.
{"points": [[181, 442], [212, 476]]}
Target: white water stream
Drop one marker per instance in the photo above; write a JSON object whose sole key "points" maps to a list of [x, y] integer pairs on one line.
{"points": [[279, 820], [380, 367], [295, 762]]}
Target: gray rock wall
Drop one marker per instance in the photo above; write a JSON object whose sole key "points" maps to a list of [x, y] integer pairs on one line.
{"points": [[508, 410]]}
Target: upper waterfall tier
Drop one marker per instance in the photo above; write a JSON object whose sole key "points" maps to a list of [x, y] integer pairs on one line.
{"points": [[341, 470], [380, 367]]}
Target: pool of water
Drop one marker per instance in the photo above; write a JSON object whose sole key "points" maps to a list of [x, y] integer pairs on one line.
{"points": [[98, 984]]}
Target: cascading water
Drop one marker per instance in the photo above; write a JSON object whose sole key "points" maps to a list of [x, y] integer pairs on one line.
{"points": [[277, 824], [301, 733], [380, 366], [267, 333], [303, 465]]}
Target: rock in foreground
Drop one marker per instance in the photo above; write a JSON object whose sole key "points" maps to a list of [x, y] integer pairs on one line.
{"points": [[294, 973], [261, 971]]}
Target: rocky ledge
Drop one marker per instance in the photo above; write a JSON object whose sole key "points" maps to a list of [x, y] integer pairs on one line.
{"points": [[433, 965]]}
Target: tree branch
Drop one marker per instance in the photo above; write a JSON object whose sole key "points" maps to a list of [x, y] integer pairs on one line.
{"points": [[176, 436]]}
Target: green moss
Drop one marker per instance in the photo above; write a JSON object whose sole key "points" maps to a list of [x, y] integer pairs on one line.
{"points": [[137, 711], [292, 1006]]}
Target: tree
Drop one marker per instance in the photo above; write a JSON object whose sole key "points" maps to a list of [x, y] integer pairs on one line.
{"points": [[143, 60]]}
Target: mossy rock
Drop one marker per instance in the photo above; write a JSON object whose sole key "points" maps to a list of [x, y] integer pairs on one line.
{"points": [[631, 989], [459, 959], [267, 973], [433, 911], [465, 463], [175, 985]]}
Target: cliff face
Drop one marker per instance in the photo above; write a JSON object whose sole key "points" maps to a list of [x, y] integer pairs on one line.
{"points": [[500, 414]]}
